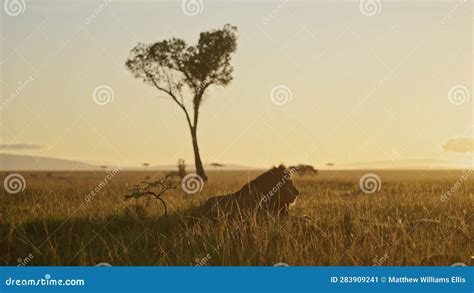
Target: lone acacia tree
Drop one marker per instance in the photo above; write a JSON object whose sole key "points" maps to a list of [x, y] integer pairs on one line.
{"points": [[185, 72]]}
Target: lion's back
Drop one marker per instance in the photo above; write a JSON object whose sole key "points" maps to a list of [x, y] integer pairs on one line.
{"points": [[217, 203], [272, 191], [239, 202]]}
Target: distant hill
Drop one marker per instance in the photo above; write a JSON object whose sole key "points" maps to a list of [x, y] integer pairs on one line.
{"points": [[207, 167], [407, 165], [10, 162]]}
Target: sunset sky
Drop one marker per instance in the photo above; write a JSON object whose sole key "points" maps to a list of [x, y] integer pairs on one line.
{"points": [[363, 87]]}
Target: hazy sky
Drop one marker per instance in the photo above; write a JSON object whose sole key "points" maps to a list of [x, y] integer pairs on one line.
{"points": [[363, 87]]}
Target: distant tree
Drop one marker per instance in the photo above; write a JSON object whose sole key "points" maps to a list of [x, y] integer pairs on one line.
{"points": [[180, 70], [329, 164], [145, 165], [154, 189], [303, 169], [181, 168], [217, 165], [104, 167]]}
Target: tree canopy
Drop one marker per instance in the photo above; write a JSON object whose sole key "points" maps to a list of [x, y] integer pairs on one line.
{"points": [[171, 65]]}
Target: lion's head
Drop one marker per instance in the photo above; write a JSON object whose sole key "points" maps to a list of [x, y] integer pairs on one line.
{"points": [[273, 190]]}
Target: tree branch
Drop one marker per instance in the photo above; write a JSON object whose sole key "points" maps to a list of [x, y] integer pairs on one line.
{"points": [[186, 75], [170, 93], [161, 186]]}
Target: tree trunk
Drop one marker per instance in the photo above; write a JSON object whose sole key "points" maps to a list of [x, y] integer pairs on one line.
{"points": [[197, 156]]}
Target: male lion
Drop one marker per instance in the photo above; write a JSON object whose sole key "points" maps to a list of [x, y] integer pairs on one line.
{"points": [[272, 192]]}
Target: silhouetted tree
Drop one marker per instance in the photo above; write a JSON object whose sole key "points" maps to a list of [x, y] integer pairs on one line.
{"points": [[181, 168], [217, 165], [154, 189], [303, 169], [145, 165], [180, 70]]}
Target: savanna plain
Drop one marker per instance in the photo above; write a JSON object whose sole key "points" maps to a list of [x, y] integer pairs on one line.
{"points": [[56, 221]]}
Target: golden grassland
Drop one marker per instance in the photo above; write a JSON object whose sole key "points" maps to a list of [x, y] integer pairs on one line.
{"points": [[405, 223]]}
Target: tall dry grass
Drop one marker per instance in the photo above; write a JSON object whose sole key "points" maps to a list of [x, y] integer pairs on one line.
{"points": [[405, 223]]}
